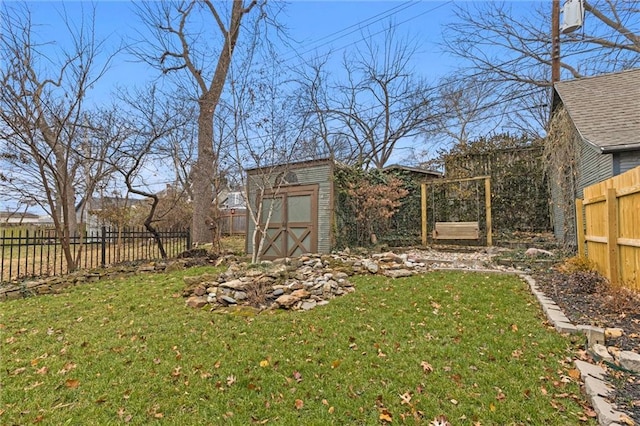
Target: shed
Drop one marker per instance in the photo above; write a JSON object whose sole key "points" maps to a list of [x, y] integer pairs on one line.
{"points": [[602, 114], [300, 199]]}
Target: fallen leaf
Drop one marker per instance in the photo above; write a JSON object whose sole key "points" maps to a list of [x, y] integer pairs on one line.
{"points": [[440, 421], [72, 383], [514, 327], [406, 398], [426, 367], [574, 373], [385, 416], [264, 363], [331, 410], [67, 367], [18, 371], [492, 407], [43, 370], [231, 380], [299, 404], [589, 412], [624, 419], [336, 363], [297, 376]]}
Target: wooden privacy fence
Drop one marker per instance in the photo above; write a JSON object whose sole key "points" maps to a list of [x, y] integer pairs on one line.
{"points": [[38, 253], [608, 224], [233, 222]]}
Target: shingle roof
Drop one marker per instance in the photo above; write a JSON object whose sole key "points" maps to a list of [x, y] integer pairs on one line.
{"points": [[605, 109]]}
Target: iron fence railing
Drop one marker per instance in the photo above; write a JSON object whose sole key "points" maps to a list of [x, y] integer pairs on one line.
{"points": [[39, 253]]}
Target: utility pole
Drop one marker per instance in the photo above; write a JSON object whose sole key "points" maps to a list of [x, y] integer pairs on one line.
{"points": [[555, 41]]}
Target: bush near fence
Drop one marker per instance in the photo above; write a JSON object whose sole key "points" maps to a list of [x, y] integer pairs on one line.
{"points": [[38, 253]]}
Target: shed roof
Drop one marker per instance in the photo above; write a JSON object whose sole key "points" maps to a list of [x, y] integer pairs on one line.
{"points": [[605, 109]]}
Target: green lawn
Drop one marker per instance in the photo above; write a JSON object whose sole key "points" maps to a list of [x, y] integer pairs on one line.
{"points": [[471, 347]]}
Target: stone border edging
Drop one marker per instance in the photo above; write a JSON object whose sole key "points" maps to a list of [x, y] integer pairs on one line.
{"points": [[593, 376]]}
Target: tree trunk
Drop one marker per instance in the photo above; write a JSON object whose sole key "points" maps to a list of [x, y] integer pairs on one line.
{"points": [[203, 173]]}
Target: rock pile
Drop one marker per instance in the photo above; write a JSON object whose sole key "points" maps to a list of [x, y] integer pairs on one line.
{"points": [[297, 284]]}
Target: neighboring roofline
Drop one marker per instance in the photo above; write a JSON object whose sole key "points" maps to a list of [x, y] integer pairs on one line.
{"points": [[413, 169], [296, 165]]}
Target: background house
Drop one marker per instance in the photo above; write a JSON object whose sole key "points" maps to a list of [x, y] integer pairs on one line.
{"points": [[594, 135]]}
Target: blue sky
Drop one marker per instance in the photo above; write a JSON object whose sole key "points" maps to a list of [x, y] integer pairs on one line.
{"points": [[318, 26]]}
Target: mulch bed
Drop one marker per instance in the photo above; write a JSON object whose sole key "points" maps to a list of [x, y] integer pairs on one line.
{"points": [[587, 299]]}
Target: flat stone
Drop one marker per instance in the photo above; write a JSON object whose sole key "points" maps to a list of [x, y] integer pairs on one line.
{"points": [[278, 292], [595, 387], [630, 360], [234, 284], [301, 294], [565, 327], [534, 252], [371, 266], [606, 414], [595, 335], [229, 300], [286, 300], [196, 302], [588, 369], [240, 295], [398, 273], [307, 305], [601, 352], [557, 316]]}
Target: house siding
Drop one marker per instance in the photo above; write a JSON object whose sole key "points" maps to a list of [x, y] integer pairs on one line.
{"points": [[312, 173], [625, 161], [594, 167]]}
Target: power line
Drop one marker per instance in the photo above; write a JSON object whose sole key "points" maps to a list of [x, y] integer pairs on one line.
{"points": [[352, 43]]}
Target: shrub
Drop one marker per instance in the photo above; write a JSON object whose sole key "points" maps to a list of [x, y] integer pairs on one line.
{"points": [[577, 264]]}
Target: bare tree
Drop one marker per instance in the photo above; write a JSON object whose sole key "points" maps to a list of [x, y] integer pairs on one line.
{"points": [[263, 132], [42, 116], [379, 102], [510, 47], [183, 35], [138, 129]]}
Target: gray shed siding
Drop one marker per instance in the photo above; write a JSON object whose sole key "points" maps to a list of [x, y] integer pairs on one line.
{"points": [[625, 161], [312, 173]]}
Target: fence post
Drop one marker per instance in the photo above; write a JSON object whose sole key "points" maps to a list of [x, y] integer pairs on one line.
{"points": [[188, 239], [612, 236], [580, 226], [103, 247], [487, 207], [423, 203]]}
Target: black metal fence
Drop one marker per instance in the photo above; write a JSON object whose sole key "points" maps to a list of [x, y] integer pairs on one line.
{"points": [[38, 252]]}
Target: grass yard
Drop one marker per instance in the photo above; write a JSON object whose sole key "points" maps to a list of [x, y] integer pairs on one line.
{"points": [[471, 347]]}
